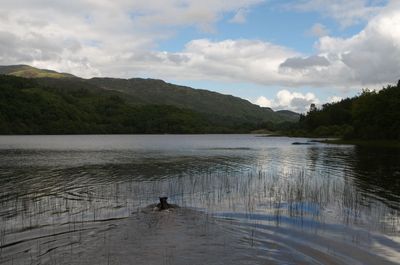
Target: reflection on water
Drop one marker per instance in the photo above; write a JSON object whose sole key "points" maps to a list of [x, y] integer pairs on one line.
{"points": [[320, 203]]}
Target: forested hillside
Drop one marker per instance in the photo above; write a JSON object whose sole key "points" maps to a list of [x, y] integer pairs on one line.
{"points": [[215, 112], [28, 108], [49, 102], [75, 106], [371, 115], [151, 91]]}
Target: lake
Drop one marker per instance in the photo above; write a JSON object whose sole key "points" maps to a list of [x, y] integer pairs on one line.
{"points": [[244, 199]]}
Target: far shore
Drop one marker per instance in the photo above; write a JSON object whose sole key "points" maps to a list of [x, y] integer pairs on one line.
{"points": [[335, 140], [369, 143]]}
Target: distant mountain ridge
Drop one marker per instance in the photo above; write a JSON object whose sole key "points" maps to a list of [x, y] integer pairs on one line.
{"points": [[32, 72], [218, 108], [151, 91]]}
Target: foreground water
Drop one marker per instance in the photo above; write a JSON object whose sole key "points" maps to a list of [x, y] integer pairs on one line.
{"points": [[245, 200]]}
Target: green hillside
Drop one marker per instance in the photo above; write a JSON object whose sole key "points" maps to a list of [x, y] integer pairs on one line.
{"points": [[27, 107], [77, 96], [31, 72], [151, 91]]}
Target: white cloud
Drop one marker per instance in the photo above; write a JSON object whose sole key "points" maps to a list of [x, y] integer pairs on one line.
{"points": [[370, 58], [120, 39], [99, 36], [264, 102], [345, 12], [334, 99], [285, 99], [244, 60]]}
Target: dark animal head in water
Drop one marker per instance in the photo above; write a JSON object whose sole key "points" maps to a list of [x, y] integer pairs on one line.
{"points": [[163, 205]]}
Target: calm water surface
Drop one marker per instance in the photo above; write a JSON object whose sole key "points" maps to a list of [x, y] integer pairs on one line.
{"points": [[244, 198]]}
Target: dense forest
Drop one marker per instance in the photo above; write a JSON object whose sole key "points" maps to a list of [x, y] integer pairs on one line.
{"points": [[37, 101], [40, 101], [34, 106], [140, 91], [372, 115]]}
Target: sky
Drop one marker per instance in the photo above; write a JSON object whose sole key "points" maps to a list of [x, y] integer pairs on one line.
{"points": [[274, 53]]}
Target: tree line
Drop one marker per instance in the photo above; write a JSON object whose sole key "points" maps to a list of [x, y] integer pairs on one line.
{"points": [[372, 115], [29, 107]]}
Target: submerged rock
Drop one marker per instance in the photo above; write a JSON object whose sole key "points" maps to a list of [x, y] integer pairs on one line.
{"points": [[303, 143]]}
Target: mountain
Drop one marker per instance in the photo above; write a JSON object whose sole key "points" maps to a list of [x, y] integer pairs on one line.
{"points": [[148, 98], [289, 115], [31, 72], [151, 91], [27, 107]]}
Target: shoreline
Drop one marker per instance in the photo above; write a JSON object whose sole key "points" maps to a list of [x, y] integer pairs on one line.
{"points": [[338, 141], [364, 143]]}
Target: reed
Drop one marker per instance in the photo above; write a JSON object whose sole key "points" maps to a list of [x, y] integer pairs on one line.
{"points": [[53, 214]]}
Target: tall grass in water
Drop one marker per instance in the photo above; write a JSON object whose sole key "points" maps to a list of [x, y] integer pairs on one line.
{"points": [[67, 214], [296, 194]]}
